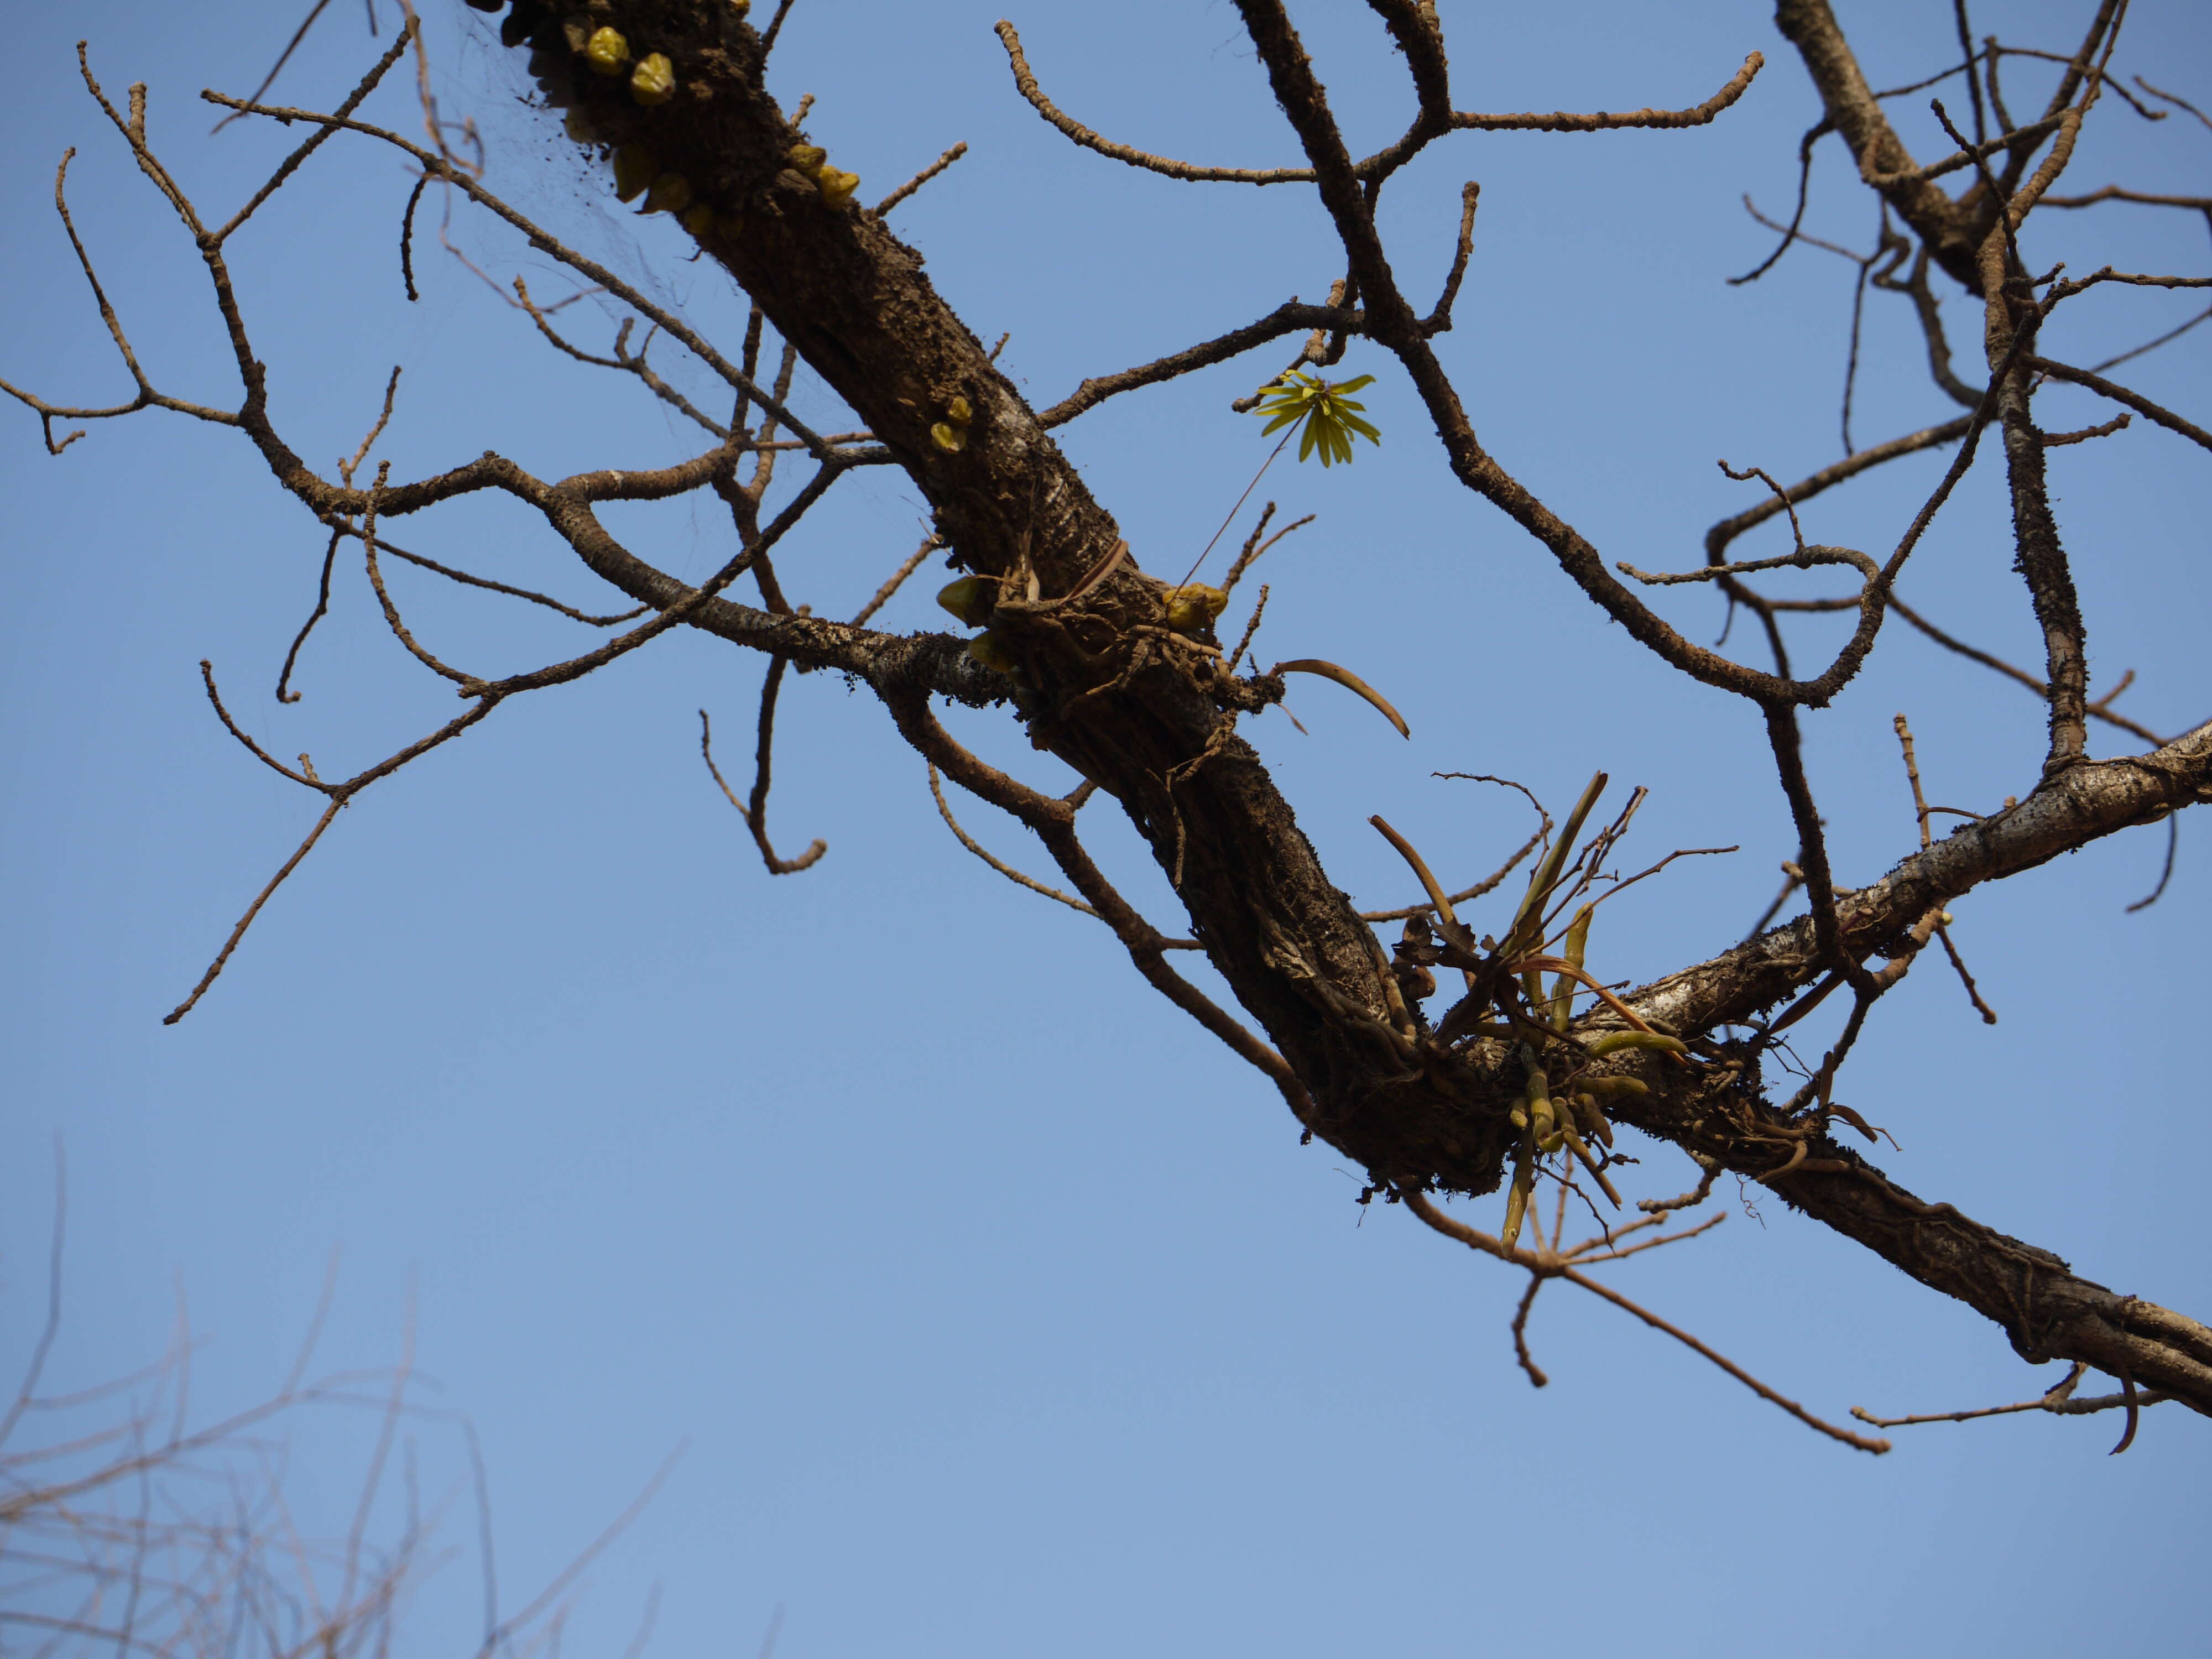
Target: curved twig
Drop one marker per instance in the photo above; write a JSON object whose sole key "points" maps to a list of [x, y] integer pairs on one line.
{"points": [[1166, 166], [1559, 121], [1483, 1244]]}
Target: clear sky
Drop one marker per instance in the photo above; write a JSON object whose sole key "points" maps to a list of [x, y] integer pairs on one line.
{"points": [[1003, 1310]]}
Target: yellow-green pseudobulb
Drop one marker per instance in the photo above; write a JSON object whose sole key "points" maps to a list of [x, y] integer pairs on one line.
{"points": [[991, 651], [653, 81], [1192, 607], [635, 170], [607, 52], [970, 599], [670, 193]]}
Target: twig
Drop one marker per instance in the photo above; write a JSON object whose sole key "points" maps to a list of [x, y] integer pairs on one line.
{"points": [[1251, 628], [1026, 82], [2171, 98], [1792, 879], [1559, 121], [930, 543], [2059, 1401], [2165, 338], [28, 1389], [1536, 1377], [921, 178], [774, 28], [2166, 870], [1958, 962], [1789, 233], [253, 910], [2019, 675], [755, 813], [490, 586], [322, 607], [2120, 394], [945, 811], [1920, 810], [406, 233], [276, 69], [1483, 1244], [621, 360], [1439, 320]]}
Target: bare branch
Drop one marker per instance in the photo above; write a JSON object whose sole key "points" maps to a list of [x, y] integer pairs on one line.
{"points": [[253, 910], [921, 178], [1167, 167], [1287, 319], [2059, 1401], [754, 810], [2096, 711], [1483, 1244], [466, 579], [1559, 121], [2120, 394], [929, 545]]}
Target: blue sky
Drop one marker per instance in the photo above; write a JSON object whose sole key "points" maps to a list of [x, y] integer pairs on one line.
{"points": [[1004, 1312]]}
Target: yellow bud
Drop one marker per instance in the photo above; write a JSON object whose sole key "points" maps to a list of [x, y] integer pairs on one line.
{"points": [[970, 599], [634, 169], [654, 81], [958, 412], [1192, 607], [807, 158], [990, 650], [670, 193], [698, 219], [741, 7], [836, 187], [950, 438], [578, 127], [606, 51]]}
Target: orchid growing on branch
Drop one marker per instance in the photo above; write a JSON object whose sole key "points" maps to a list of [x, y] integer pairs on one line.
{"points": [[1329, 416]]}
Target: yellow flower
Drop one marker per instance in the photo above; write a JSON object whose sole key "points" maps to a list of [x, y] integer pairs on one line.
{"points": [[654, 81], [950, 438], [958, 411], [1330, 418], [1192, 607], [807, 158], [606, 51], [836, 187], [634, 169], [670, 193], [970, 599]]}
